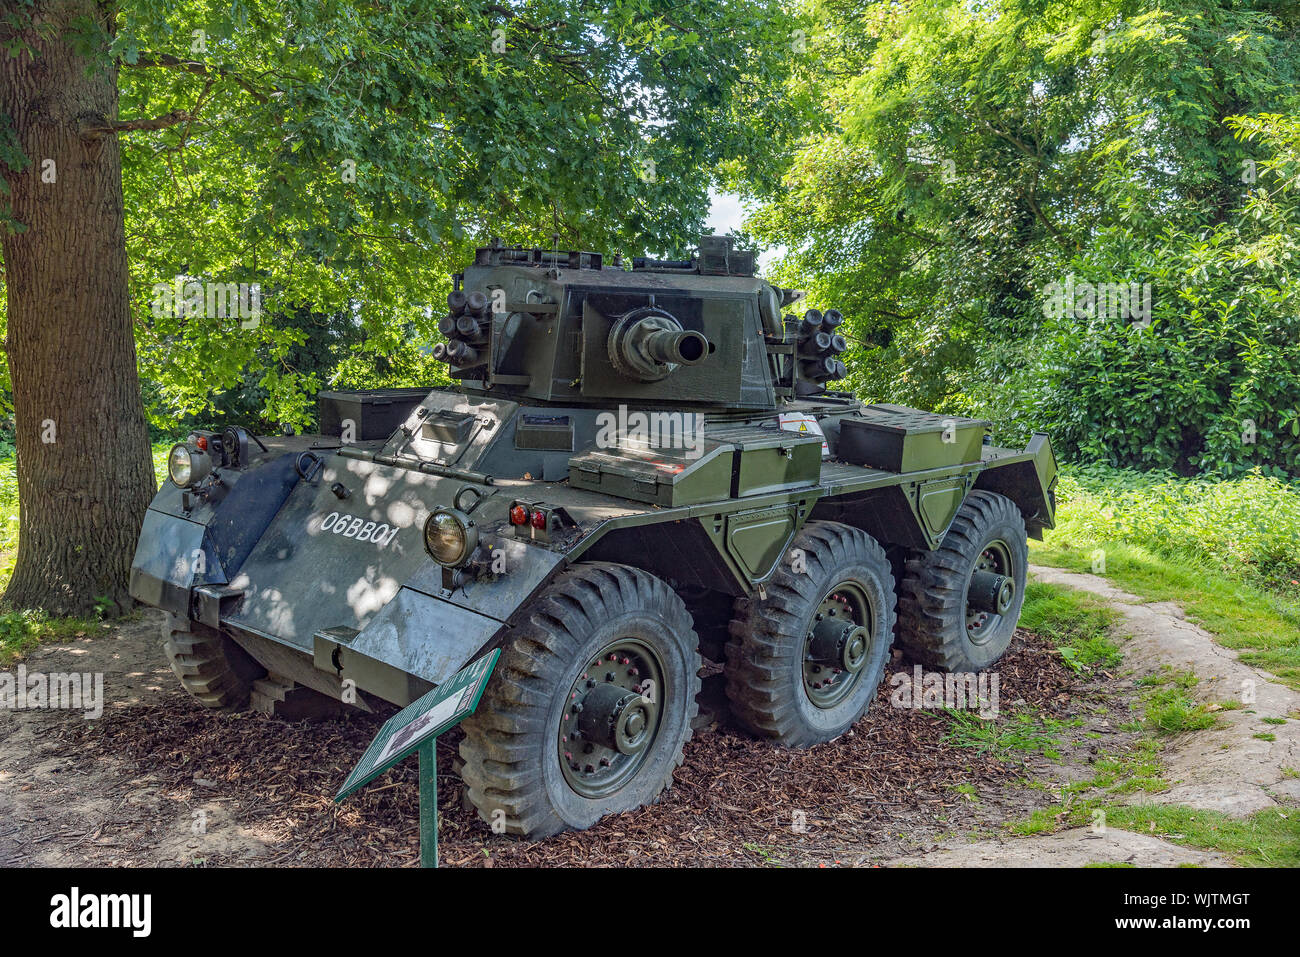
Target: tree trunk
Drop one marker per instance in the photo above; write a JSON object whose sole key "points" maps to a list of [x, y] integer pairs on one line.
{"points": [[84, 467]]}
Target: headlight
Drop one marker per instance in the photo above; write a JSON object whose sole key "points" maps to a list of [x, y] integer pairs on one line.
{"points": [[450, 537], [186, 466]]}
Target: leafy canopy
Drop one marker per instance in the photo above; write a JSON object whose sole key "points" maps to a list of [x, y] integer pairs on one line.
{"points": [[347, 156]]}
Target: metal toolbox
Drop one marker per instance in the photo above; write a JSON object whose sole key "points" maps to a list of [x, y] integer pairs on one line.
{"points": [[898, 439], [375, 413]]}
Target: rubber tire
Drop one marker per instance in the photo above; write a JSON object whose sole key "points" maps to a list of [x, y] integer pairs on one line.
{"points": [[932, 593], [215, 671], [766, 652], [509, 748]]}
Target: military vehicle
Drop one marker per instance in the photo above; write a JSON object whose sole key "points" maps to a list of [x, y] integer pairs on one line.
{"points": [[641, 470]]}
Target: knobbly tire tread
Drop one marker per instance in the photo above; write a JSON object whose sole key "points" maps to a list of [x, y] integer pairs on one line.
{"points": [[757, 659], [500, 748], [214, 670], [932, 591]]}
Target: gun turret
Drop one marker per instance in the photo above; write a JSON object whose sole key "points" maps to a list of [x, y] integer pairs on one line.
{"points": [[555, 326]]}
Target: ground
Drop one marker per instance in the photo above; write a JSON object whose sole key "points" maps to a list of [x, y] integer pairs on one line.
{"points": [[159, 781]]}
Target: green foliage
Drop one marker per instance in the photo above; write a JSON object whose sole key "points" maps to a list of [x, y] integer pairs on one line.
{"points": [[1248, 527], [347, 157], [1226, 551], [971, 155], [1213, 384]]}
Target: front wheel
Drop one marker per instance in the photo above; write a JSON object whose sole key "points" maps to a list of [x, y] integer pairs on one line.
{"points": [[804, 662], [590, 706], [216, 672]]}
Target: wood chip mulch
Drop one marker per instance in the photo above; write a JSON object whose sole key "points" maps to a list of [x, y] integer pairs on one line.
{"points": [[733, 802]]}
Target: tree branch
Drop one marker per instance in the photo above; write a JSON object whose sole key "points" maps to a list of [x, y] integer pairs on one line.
{"points": [[95, 125], [198, 69]]}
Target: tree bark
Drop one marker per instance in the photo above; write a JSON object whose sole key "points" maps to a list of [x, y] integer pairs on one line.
{"points": [[84, 469]]}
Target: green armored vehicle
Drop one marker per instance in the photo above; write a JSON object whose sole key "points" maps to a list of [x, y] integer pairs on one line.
{"points": [[642, 470]]}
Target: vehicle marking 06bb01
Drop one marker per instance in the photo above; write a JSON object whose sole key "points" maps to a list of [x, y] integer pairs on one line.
{"points": [[353, 526]]}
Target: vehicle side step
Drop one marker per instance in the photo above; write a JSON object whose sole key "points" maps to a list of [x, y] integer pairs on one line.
{"points": [[283, 698]]}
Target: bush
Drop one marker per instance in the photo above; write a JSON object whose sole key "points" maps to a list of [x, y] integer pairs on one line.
{"points": [[1248, 526]]}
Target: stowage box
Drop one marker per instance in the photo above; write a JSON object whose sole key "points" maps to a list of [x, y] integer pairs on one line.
{"points": [[898, 439], [376, 413]]}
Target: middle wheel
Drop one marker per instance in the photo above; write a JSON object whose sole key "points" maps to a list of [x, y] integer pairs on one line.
{"points": [[804, 662]]}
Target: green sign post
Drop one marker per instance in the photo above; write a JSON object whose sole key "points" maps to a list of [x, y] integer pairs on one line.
{"points": [[416, 728]]}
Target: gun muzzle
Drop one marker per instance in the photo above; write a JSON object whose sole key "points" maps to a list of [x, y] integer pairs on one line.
{"points": [[648, 344], [683, 348]]}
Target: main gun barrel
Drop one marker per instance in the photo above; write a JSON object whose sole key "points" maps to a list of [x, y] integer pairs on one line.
{"points": [[683, 348], [648, 344]]}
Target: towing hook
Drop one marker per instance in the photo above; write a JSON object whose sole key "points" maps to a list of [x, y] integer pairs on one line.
{"points": [[308, 473], [478, 498]]}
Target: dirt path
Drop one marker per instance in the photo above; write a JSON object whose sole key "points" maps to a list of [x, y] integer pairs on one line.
{"points": [[159, 781], [1225, 768]]}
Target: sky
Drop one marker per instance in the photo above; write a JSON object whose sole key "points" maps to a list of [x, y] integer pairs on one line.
{"points": [[726, 214]]}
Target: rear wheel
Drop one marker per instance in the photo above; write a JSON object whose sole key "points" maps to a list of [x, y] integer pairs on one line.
{"points": [[590, 706], [804, 662], [958, 605], [215, 671]]}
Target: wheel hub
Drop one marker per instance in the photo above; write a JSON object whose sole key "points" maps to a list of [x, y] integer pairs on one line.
{"points": [[838, 645], [610, 718], [616, 718], [990, 592]]}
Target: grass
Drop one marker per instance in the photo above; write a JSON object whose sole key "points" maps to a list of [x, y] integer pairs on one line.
{"points": [[1076, 623], [1135, 769], [1002, 736], [1268, 838], [1228, 552], [1170, 709], [20, 631]]}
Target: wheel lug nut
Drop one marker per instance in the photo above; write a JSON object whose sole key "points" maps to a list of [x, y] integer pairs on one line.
{"points": [[589, 768], [591, 683], [577, 707], [604, 762], [609, 676], [633, 672]]}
